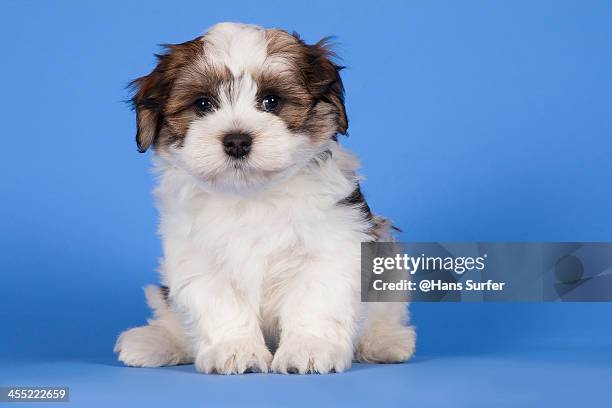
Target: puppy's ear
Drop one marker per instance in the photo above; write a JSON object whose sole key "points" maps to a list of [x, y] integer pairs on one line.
{"points": [[151, 91], [148, 103], [324, 80]]}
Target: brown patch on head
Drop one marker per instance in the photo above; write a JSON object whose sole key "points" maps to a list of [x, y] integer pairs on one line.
{"points": [[309, 84], [153, 91], [197, 80]]}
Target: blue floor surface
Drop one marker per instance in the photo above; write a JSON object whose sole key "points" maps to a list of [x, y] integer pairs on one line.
{"points": [[560, 378]]}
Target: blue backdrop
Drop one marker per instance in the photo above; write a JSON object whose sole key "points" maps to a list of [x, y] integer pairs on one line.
{"points": [[475, 121]]}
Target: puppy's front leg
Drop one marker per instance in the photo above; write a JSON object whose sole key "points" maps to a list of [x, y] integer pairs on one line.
{"points": [[224, 326], [318, 319]]}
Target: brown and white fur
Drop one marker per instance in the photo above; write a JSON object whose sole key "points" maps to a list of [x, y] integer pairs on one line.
{"points": [[261, 266]]}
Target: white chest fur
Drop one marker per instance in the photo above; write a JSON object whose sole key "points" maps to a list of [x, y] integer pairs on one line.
{"points": [[260, 242]]}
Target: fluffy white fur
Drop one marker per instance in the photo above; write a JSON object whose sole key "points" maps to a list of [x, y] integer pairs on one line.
{"points": [[262, 263]]}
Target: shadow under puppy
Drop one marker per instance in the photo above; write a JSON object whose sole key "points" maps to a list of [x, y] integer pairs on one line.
{"points": [[261, 215]]}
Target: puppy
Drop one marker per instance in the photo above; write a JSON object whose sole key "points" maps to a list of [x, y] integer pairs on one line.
{"points": [[261, 214]]}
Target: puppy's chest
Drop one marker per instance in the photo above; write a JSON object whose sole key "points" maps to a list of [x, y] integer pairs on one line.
{"points": [[259, 232]]}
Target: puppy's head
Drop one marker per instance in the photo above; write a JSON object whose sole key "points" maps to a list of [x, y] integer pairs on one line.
{"points": [[240, 106]]}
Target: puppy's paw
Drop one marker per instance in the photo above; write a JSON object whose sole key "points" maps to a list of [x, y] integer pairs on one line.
{"points": [[387, 345], [306, 355], [150, 346], [234, 357]]}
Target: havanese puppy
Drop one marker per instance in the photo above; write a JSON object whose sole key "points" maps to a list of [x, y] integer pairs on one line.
{"points": [[261, 214]]}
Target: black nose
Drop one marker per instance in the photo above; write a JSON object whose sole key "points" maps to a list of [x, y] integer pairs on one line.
{"points": [[237, 144]]}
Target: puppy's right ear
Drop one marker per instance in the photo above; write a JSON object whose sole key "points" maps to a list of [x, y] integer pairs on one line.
{"points": [[151, 91], [148, 101]]}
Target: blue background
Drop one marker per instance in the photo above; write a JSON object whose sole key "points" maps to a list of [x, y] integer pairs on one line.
{"points": [[475, 121]]}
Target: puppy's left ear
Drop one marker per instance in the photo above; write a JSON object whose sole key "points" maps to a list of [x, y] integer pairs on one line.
{"points": [[325, 82]]}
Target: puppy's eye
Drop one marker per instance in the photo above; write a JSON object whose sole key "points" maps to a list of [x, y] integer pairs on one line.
{"points": [[270, 103], [204, 105]]}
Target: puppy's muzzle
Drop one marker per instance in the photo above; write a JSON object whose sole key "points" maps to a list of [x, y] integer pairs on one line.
{"points": [[237, 145]]}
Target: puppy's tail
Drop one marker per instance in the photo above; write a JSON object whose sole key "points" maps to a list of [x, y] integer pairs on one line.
{"points": [[161, 342], [157, 299]]}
